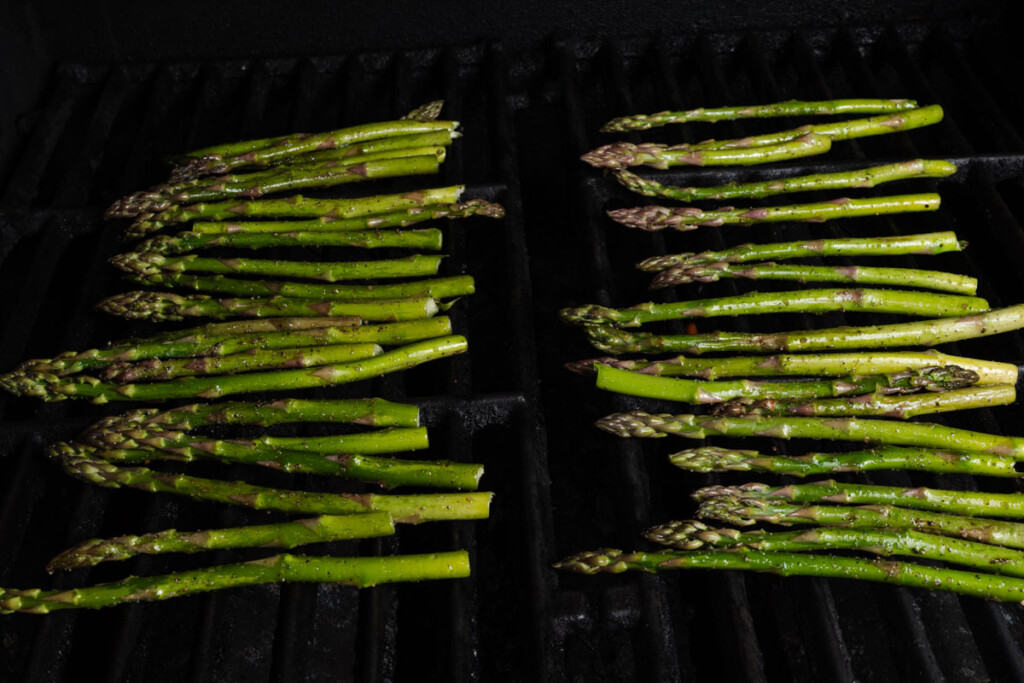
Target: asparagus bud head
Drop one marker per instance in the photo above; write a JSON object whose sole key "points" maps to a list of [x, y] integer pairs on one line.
{"points": [[713, 459], [688, 534], [594, 562]]}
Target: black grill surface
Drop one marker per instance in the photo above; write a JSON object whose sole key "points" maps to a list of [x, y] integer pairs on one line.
{"points": [[561, 486]]}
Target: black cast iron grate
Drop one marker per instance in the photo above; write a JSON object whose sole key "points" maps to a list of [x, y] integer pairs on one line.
{"points": [[561, 486]]}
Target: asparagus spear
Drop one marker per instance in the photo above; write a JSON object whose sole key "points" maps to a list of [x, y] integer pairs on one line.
{"points": [[413, 161], [291, 534], [253, 326], [747, 511], [937, 379], [79, 462], [208, 341], [1010, 505], [296, 206], [986, 586], [373, 412], [901, 407], [920, 434], [437, 288], [926, 243], [329, 271], [187, 445], [924, 333], [426, 112], [622, 154], [864, 177], [360, 572], [686, 218], [714, 459], [692, 535], [387, 472], [796, 301], [250, 361], [787, 108], [280, 149], [894, 277], [829, 364], [161, 306], [375, 221], [54, 388], [183, 242]]}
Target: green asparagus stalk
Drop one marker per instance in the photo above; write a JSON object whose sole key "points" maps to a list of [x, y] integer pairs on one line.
{"points": [[372, 412], [686, 218], [295, 206], [184, 242], [79, 462], [622, 154], [828, 364], [618, 155], [250, 361], [987, 586], [1008, 505], [375, 221], [322, 529], [143, 264], [189, 445], [413, 161], [758, 111], [796, 301], [901, 407], [747, 511], [54, 388], [360, 572], [934, 379], [894, 277], [436, 288], [692, 535], [253, 326], [426, 112], [919, 434], [198, 342], [923, 333], [161, 306], [278, 150], [714, 459], [387, 472], [922, 244], [864, 177]]}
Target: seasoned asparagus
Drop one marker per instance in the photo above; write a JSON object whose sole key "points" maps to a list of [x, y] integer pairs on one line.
{"points": [[281, 535], [924, 333], [934, 379], [757, 111], [894, 277], [715, 459], [828, 364], [360, 572], [79, 462], [922, 244], [684, 218], [860, 178], [919, 434], [985, 586], [796, 301]]}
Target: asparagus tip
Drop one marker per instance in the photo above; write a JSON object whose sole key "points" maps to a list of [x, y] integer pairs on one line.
{"points": [[593, 562]]}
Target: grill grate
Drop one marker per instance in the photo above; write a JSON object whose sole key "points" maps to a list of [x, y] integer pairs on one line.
{"points": [[561, 486]]}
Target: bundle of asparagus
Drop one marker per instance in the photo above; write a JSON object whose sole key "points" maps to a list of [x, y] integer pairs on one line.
{"points": [[146, 435], [812, 395], [151, 434], [413, 145], [230, 358]]}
